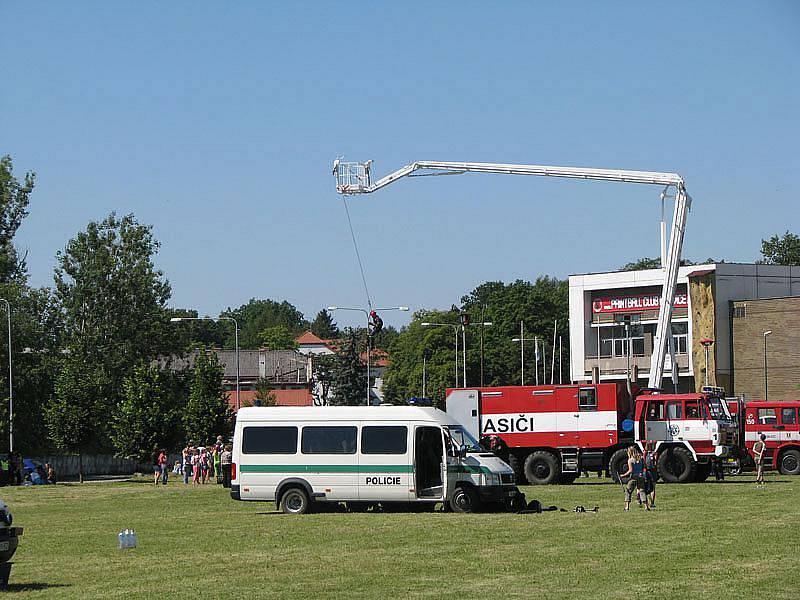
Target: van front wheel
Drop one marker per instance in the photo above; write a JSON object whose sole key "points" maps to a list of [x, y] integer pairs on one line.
{"points": [[465, 500], [295, 501]]}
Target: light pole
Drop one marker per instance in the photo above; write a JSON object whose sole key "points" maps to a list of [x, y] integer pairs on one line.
{"points": [[369, 340], [464, 318], [236, 343], [522, 339], [10, 384], [706, 344], [455, 327], [766, 394]]}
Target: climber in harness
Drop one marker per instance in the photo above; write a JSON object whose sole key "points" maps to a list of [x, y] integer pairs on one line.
{"points": [[375, 323]]}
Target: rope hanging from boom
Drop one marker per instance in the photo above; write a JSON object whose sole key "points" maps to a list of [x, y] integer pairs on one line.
{"points": [[358, 254]]}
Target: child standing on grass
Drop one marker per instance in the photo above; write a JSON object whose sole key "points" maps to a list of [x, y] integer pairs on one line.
{"points": [[196, 466], [636, 482], [759, 449]]}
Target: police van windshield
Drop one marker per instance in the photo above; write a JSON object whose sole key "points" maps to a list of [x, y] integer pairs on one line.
{"points": [[462, 437]]}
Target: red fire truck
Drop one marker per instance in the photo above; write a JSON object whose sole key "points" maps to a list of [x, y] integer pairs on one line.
{"points": [[552, 433], [779, 421]]}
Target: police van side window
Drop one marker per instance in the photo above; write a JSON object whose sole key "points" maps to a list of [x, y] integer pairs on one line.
{"points": [[269, 440], [587, 399], [379, 439], [329, 440], [788, 416]]}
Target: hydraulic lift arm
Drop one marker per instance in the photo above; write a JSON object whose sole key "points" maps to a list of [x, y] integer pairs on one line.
{"points": [[355, 178]]}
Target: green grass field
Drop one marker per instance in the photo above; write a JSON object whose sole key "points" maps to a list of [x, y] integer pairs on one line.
{"points": [[711, 540]]}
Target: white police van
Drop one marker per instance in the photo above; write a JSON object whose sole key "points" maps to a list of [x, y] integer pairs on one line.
{"points": [[364, 456]]}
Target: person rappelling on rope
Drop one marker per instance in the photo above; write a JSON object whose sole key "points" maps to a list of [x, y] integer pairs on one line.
{"points": [[375, 324]]}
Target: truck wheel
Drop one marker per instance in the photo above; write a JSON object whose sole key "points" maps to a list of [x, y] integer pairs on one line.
{"points": [[789, 462], [617, 464], [516, 466], [676, 465], [295, 501], [542, 468], [465, 500]]}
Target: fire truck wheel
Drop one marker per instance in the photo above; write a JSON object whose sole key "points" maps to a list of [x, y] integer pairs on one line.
{"points": [[789, 462], [676, 465], [542, 468], [618, 463], [465, 500]]}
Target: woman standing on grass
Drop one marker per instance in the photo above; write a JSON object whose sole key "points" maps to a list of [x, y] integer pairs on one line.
{"points": [[156, 466], [186, 456], [650, 472], [196, 466], [636, 482], [203, 465]]}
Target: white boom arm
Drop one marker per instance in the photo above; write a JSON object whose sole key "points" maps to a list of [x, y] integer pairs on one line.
{"points": [[354, 178]]}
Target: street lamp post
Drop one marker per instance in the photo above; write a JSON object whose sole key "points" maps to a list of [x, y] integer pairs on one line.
{"points": [[369, 341], [10, 384], [236, 343], [522, 339], [766, 393], [464, 346], [706, 344], [455, 327]]}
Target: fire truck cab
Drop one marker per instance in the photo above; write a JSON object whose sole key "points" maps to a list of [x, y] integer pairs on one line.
{"points": [[779, 421], [550, 434]]}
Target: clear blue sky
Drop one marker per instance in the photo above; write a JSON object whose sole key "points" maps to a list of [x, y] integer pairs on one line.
{"points": [[217, 123]]}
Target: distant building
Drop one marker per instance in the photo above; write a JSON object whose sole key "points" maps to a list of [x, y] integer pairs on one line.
{"points": [[599, 302], [308, 343]]}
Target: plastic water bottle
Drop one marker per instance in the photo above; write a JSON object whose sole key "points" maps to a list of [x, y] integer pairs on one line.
{"points": [[133, 538], [121, 539]]}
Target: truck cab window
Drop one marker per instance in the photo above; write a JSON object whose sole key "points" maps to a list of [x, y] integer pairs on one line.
{"points": [[587, 399], [788, 416], [655, 411], [692, 409], [767, 416], [674, 410]]}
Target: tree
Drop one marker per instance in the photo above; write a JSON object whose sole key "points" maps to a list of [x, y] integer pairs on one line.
{"points": [[14, 198], [642, 264], [257, 315], [75, 414], [149, 415], [349, 381], [324, 366], [278, 337], [207, 413], [781, 250], [264, 393], [324, 327], [113, 301]]}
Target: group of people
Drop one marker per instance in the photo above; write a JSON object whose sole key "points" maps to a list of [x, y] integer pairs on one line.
{"points": [[206, 463], [641, 476], [16, 471]]}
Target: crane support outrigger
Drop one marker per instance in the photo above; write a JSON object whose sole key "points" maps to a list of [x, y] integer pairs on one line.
{"points": [[355, 178]]}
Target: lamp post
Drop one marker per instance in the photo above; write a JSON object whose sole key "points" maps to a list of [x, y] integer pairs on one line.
{"points": [[766, 394], [236, 343], [706, 343], [369, 341], [10, 384], [455, 327], [464, 324], [522, 339]]}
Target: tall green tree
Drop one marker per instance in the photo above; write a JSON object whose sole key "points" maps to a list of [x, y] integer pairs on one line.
{"points": [[113, 302], [257, 315], [781, 250], [278, 337], [149, 415], [324, 327], [349, 377], [207, 413], [14, 199], [77, 410]]}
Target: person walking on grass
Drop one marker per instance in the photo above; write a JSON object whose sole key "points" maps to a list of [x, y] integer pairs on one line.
{"points": [[156, 466], [226, 458], [759, 449], [186, 456], [636, 480], [163, 466], [196, 466], [650, 472]]}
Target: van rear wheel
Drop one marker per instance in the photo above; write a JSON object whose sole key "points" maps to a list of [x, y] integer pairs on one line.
{"points": [[465, 500], [295, 501]]}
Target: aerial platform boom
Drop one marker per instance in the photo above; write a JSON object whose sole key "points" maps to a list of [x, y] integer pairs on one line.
{"points": [[355, 178]]}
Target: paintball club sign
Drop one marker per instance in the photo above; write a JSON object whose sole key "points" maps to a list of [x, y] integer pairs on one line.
{"points": [[641, 302]]}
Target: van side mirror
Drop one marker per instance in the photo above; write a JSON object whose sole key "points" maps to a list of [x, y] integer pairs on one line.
{"points": [[462, 451]]}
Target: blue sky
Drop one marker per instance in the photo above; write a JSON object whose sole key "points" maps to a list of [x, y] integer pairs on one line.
{"points": [[217, 123]]}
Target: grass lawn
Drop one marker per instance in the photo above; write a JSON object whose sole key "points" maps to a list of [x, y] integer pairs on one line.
{"points": [[715, 540]]}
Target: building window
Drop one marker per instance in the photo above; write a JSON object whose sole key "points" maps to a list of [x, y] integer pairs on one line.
{"points": [[767, 416], [587, 399], [269, 440], [384, 440], [680, 337], [329, 440], [740, 312], [614, 341]]}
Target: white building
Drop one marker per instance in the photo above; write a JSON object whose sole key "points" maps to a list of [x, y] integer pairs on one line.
{"points": [[599, 302]]}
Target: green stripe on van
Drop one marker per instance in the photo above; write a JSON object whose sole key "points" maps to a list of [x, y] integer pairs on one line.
{"points": [[326, 469]]}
